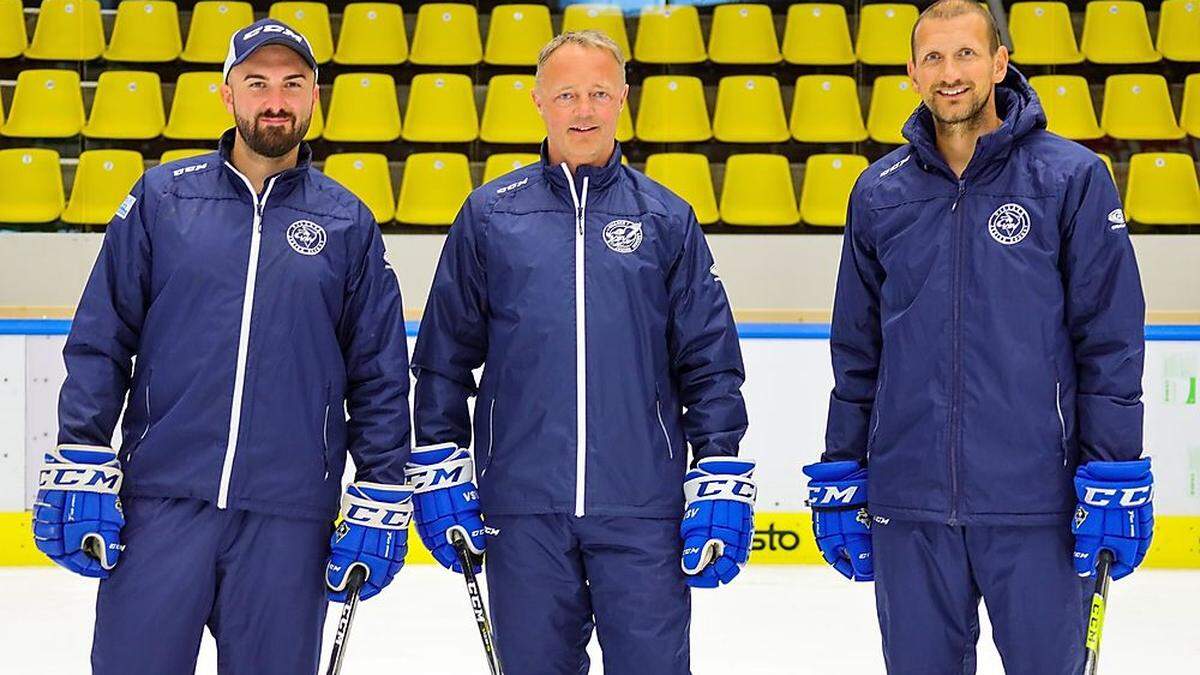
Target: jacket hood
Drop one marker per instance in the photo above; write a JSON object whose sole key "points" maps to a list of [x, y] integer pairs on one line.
{"points": [[1017, 105]]}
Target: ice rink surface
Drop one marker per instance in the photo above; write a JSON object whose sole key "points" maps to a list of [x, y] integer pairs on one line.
{"points": [[772, 619]]}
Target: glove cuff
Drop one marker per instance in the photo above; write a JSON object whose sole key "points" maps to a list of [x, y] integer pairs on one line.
{"points": [[391, 513], [735, 481], [81, 468], [457, 469]]}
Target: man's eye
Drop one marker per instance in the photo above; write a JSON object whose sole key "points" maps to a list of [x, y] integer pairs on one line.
{"points": [[602, 95]]}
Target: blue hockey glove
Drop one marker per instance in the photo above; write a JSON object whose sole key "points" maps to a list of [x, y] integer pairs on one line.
{"points": [[718, 522], [1115, 513], [372, 535], [77, 516], [837, 495], [445, 500]]}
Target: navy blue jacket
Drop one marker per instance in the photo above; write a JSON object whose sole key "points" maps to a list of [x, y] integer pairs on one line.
{"points": [[254, 319], [987, 332], [594, 301]]}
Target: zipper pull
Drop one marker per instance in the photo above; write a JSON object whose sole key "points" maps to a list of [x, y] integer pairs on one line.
{"points": [[962, 187], [579, 219]]}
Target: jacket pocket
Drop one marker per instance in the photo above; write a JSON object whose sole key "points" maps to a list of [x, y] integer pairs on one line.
{"points": [[1062, 422], [325, 430], [876, 406], [147, 411], [658, 409]]}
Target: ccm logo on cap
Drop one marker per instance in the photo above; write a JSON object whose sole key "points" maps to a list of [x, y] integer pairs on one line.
{"points": [[273, 28]]}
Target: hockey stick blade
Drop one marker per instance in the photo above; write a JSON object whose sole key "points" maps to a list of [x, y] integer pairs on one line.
{"points": [[1095, 626], [338, 651], [459, 542]]}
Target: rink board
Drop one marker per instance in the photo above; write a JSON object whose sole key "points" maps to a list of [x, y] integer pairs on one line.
{"points": [[786, 391]]}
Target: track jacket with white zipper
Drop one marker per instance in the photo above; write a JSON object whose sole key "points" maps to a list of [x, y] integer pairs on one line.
{"points": [[254, 320], [594, 301]]}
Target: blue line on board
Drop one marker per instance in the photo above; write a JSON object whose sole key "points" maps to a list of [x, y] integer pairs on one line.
{"points": [[747, 331]]}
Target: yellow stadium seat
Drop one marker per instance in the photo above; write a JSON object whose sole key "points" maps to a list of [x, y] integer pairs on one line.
{"points": [[67, 30], [749, 110], [197, 111], [447, 34], [758, 190], [672, 110], [213, 23], [1042, 34], [509, 113], [1116, 31], [501, 163], [363, 108], [516, 34], [1162, 189], [312, 20], [366, 174], [743, 34], [1179, 30], [46, 104], [893, 101], [1138, 108], [825, 193], [441, 108], [13, 38], [32, 189], [182, 153], [1068, 106], [1189, 117], [669, 34], [607, 19], [128, 105], [687, 175], [1108, 163], [372, 34], [624, 125], [433, 188], [145, 31], [817, 34], [316, 124], [883, 34], [826, 110], [103, 178]]}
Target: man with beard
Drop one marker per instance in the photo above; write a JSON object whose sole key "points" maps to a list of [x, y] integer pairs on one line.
{"points": [[987, 349], [255, 295]]}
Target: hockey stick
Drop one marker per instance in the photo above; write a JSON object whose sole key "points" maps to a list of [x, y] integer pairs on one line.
{"points": [[459, 541], [1096, 619], [357, 578]]}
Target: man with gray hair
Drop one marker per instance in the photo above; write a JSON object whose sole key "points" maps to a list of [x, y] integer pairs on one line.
{"points": [[589, 295]]}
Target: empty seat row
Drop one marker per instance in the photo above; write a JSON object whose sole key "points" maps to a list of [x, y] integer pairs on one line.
{"points": [[1114, 32], [758, 189], [364, 107]]}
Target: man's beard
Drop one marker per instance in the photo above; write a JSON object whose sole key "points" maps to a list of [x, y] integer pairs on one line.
{"points": [[968, 121], [272, 141]]}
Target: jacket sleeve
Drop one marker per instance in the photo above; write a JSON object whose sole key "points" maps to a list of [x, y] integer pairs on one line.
{"points": [[706, 356], [375, 350], [1105, 317], [107, 327], [453, 338], [855, 341]]}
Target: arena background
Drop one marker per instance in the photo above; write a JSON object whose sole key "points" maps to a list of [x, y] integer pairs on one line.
{"points": [[768, 174]]}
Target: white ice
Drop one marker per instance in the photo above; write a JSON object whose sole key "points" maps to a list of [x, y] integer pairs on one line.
{"points": [[793, 620]]}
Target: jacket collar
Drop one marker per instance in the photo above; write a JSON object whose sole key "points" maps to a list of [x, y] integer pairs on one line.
{"points": [[284, 180], [599, 177], [1017, 106]]}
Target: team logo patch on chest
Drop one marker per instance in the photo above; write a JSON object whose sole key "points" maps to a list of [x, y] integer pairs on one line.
{"points": [[623, 236], [306, 237], [1009, 224]]}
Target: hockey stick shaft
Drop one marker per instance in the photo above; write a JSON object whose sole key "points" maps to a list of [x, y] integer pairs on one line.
{"points": [[477, 604], [1095, 625], [338, 652]]}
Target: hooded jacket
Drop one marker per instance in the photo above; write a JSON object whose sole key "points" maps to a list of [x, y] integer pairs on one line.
{"points": [[256, 320], [987, 331], [594, 302]]}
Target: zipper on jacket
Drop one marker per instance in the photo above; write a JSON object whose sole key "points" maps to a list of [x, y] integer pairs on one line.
{"points": [[147, 429], [875, 407], [1062, 422], [956, 363], [580, 341], [661, 425], [491, 435], [239, 375]]}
